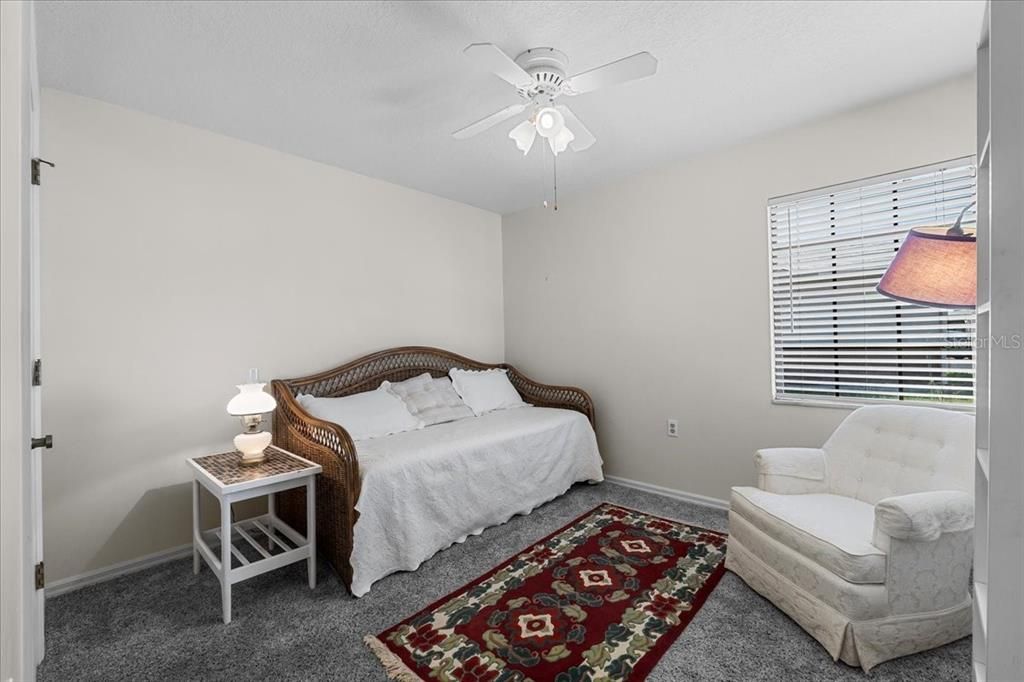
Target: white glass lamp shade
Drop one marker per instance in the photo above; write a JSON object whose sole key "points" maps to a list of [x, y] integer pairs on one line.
{"points": [[559, 142], [524, 134], [549, 122], [251, 399]]}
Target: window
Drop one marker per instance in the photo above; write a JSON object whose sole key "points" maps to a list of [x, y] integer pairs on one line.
{"points": [[834, 338]]}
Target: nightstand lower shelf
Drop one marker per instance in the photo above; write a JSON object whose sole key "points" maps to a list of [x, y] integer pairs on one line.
{"points": [[258, 545]]}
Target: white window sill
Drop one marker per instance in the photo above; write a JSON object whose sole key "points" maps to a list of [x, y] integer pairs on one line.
{"points": [[853, 404]]}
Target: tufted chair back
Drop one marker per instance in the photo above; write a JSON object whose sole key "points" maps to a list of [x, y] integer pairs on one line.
{"points": [[884, 450]]}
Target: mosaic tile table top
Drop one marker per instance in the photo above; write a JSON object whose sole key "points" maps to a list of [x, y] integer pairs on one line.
{"points": [[227, 467]]}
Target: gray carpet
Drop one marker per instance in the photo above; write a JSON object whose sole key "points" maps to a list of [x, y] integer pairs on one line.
{"points": [[164, 623]]}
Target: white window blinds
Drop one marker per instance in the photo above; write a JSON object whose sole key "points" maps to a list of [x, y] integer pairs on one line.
{"points": [[834, 338]]}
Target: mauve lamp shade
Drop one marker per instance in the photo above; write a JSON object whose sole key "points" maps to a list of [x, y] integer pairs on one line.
{"points": [[934, 268]]}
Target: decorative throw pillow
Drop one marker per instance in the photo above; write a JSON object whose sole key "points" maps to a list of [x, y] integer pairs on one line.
{"points": [[370, 414], [486, 390], [431, 400]]}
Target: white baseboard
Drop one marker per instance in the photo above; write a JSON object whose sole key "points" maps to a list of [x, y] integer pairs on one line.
{"points": [[694, 498], [99, 575]]}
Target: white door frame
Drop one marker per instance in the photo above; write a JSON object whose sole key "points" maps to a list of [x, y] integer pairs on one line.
{"points": [[18, 598], [34, 331]]}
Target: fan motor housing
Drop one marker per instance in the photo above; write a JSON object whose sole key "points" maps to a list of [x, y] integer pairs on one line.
{"points": [[547, 67]]}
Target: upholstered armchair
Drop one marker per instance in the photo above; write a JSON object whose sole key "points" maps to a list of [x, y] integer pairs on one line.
{"points": [[866, 541]]}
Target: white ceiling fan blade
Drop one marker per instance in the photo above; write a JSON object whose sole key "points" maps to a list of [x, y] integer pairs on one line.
{"points": [[584, 138], [485, 123], [490, 57], [524, 134], [640, 65]]}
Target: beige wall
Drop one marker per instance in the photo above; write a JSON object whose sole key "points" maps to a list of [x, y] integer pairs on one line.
{"points": [[175, 259], [652, 293]]}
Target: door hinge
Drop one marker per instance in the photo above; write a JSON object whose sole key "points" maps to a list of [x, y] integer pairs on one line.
{"points": [[37, 373], [35, 169], [40, 576]]}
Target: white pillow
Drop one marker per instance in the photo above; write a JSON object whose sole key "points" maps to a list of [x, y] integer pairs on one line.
{"points": [[486, 390], [434, 401], [370, 414]]}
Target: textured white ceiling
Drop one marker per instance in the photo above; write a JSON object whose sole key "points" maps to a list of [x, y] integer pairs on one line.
{"points": [[377, 88]]}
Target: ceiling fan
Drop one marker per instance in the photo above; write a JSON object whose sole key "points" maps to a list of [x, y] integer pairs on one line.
{"points": [[539, 76]]}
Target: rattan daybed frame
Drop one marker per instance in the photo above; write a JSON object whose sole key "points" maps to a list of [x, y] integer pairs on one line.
{"points": [[330, 446]]}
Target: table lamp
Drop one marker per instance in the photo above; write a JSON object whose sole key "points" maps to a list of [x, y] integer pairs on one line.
{"points": [[251, 404]]}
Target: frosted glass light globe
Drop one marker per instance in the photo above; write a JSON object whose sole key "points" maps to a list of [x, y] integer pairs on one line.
{"points": [[524, 134], [559, 142], [549, 122]]}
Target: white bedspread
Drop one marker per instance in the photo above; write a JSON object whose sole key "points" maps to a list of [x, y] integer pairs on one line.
{"points": [[425, 490]]}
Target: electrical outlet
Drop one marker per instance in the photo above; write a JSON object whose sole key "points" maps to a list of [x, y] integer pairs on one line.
{"points": [[673, 428]]}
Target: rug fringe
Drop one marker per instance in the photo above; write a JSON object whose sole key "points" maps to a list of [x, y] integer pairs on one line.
{"points": [[393, 665]]}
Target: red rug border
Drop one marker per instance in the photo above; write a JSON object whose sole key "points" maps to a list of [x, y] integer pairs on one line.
{"points": [[649, 659]]}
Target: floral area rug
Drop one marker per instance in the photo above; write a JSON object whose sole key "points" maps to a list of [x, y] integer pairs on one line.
{"points": [[600, 599]]}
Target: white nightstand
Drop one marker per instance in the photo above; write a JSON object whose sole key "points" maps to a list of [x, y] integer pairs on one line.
{"points": [[259, 544]]}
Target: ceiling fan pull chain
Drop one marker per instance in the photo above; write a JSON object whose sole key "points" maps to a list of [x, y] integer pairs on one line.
{"points": [[554, 168], [544, 162]]}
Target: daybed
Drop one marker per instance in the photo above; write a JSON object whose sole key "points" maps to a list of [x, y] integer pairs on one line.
{"points": [[388, 504]]}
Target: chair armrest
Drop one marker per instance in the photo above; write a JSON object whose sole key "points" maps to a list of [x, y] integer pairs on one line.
{"points": [[808, 463], [791, 471], [923, 517]]}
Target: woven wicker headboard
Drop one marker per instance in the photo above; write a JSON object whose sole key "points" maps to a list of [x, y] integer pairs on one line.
{"points": [[366, 373]]}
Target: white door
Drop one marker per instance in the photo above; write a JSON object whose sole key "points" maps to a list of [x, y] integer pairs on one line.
{"points": [[36, 468]]}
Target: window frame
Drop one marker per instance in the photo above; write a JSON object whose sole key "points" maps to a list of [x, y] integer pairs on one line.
{"points": [[850, 402]]}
